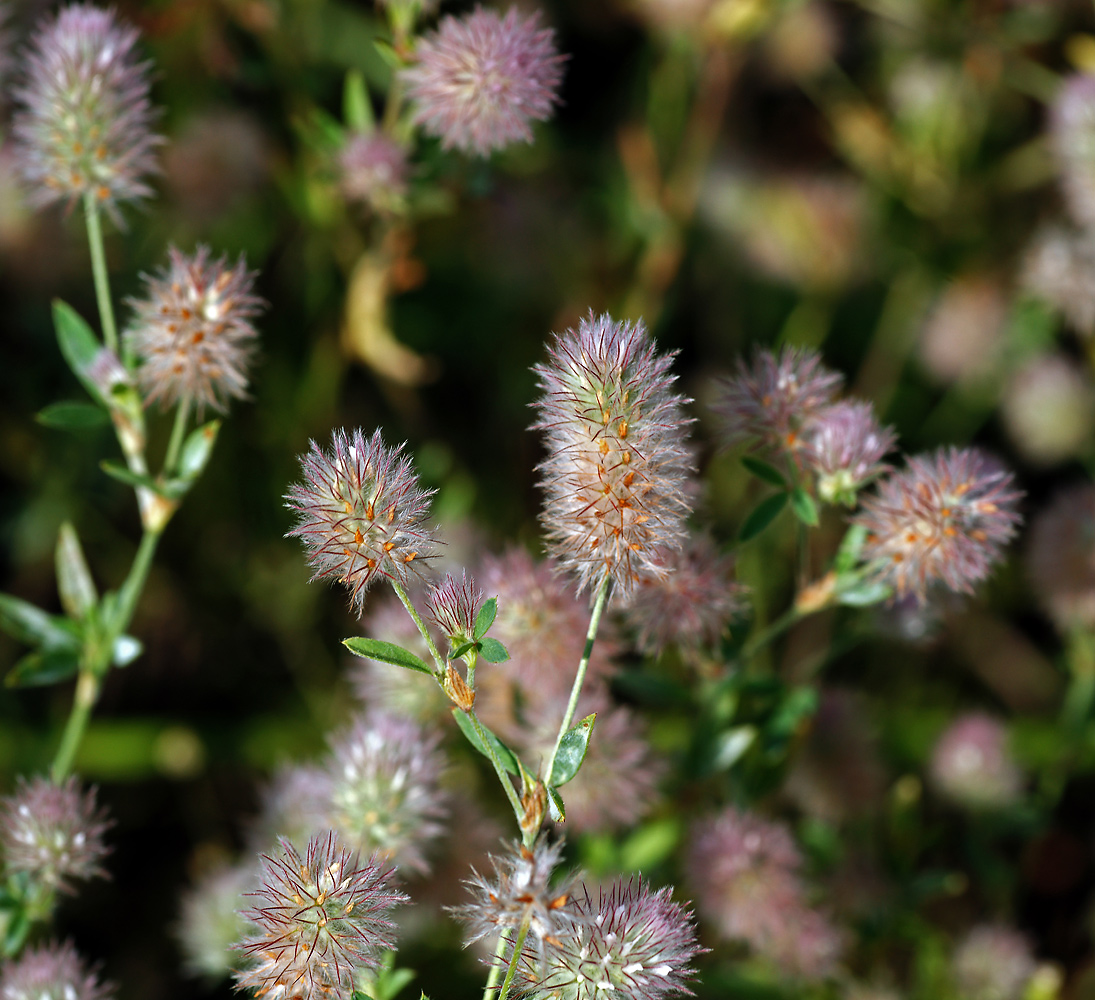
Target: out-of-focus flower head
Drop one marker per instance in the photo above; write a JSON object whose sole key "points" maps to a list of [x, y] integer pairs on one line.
{"points": [[744, 870], [945, 518], [318, 918], [632, 942], [385, 794], [373, 171], [616, 474], [294, 807], [478, 81], [84, 120], [210, 923], [453, 605], [1059, 268], [53, 833], [963, 334], [692, 604], [361, 513], [51, 972], [972, 765], [770, 399], [1061, 558], [993, 962], [844, 448], [521, 890], [1048, 408], [1072, 133], [193, 330]]}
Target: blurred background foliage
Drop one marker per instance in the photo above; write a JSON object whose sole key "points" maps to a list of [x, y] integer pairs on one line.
{"points": [[874, 179]]}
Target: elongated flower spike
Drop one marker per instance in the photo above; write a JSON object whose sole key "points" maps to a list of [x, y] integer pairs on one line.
{"points": [[361, 513], [618, 473]]}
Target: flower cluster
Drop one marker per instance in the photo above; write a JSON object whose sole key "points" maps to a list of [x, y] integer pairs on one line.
{"points": [[83, 126], [373, 171], [51, 972], [361, 513], [479, 80], [618, 470]]}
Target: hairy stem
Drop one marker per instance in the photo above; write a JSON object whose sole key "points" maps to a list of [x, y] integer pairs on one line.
{"points": [[98, 269], [421, 625], [580, 676], [522, 933], [496, 966]]}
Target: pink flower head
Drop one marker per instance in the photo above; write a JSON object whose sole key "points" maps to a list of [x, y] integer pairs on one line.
{"points": [[1072, 134], [1061, 558], [945, 518], [770, 399], [994, 962], [193, 330], [844, 448], [453, 605], [361, 513], [972, 765], [317, 919], [51, 972], [479, 80], [83, 125], [618, 468], [373, 171]]}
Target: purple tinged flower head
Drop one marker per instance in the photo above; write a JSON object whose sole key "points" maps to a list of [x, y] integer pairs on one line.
{"points": [[771, 399], [844, 448], [945, 518], [632, 942], [83, 124], [521, 890], [453, 605], [1059, 267], [385, 795], [317, 918], [294, 807], [1072, 134], [210, 923], [361, 513], [51, 972], [373, 171], [973, 766], [993, 962], [53, 833], [1061, 558], [618, 468], [193, 330], [479, 80]]}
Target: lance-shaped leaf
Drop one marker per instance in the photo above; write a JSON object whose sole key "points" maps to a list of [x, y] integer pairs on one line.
{"points": [[74, 583], [197, 450], [30, 624], [79, 346], [573, 748], [763, 470], [502, 752], [851, 545], [357, 109], [386, 652], [66, 416], [47, 666], [804, 507], [485, 619], [761, 516]]}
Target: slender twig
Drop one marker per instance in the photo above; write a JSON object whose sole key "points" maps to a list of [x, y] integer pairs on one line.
{"points": [[773, 631], [87, 693], [522, 933], [178, 434], [496, 966], [98, 269], [417, 619], [135, 581], [580, 676]]}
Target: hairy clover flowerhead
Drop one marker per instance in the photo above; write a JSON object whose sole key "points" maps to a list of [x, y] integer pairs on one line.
{"points": [[617, 474], [53, 833], [453, 605], [479, 80], [945, 518], [83, 124], [316, 919], [361, 513], [844, 449], [193, 330], [51, 972]]}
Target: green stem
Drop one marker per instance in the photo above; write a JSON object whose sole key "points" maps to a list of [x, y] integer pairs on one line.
{"points": [[511, 971], [87, 693], [496, 966], [417, 619], [98, 268], [178, 433], [580, 676], [773, 631], [134, 583]]}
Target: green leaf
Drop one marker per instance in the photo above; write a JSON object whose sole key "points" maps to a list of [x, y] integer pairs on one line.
{"points": [[74, 583], [851, 545], [68, 416], [804, 507], [30, 624], [388, 54], [461, 650], [762, 515], [196, 450], [493, 651], [572, 751], [485, 619], [79, 345], [357, 109], [764, 470], [47, 666], [129, 477], [386, 652], [504, 753], [864, 593], [556, 809]]}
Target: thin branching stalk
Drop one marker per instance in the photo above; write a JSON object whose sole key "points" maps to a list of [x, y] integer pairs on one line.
{"points": [[98, 269], [522, 933], [178, 435]]}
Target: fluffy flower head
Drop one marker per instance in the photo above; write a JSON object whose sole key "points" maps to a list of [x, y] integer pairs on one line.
{"points": [[479, 80], [373, 171], [317, 918], [51, 972], [993, 962], [617, 474], [1061, 558], [972, 765], [84, 120], [943, 519], [845, 445], [453, 605], [53, 833], [361, 513], [193, 330]]}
